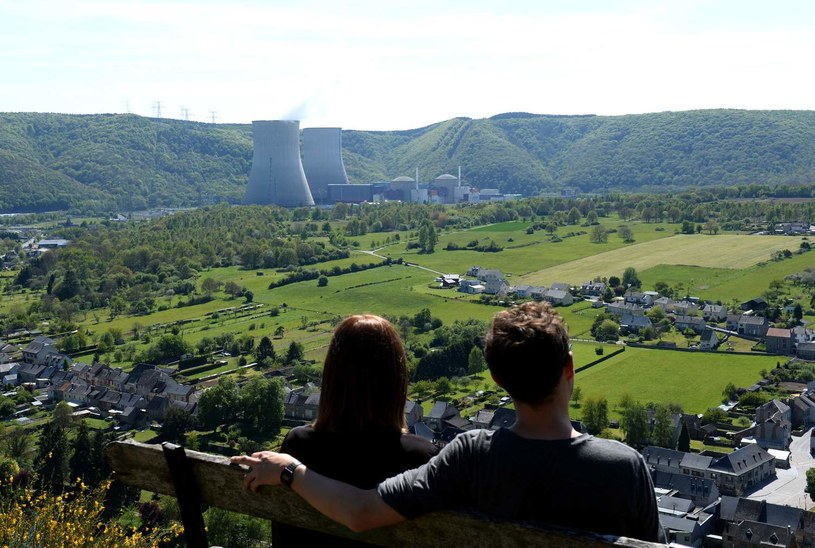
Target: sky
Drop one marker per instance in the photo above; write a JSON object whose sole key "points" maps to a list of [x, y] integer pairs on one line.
{"points": [[385, 65]]}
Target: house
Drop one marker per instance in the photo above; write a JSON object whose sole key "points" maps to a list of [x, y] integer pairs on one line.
{"points": [[558, 297], [684, 308], [773, 425], [756, 305], [472, 287], [441, 411], [593, 289], [413, 413], [709, 340], [561, 286], [618, 308], [39, 350], [495, 287], [742, 470], [493, 419], [714, 312], [522, 291], [805, 350], [779, 341], [734, 473], [184, 393], [701, 491], [802, 410], [634, 324], [640, 298], [753, 326], [682, 323], [300, 406], [749, 522]]}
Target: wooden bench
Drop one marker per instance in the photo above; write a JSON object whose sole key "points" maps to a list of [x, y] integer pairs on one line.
{"points": [[220, 484]]}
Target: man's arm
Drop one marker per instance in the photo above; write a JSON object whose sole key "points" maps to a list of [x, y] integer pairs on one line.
{"points": [[357, 509]]}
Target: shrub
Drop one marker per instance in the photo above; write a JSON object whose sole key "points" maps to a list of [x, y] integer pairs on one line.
{"points": [[31, 519]]}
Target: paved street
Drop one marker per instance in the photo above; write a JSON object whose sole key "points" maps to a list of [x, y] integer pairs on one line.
{"points": [[789, 488]]}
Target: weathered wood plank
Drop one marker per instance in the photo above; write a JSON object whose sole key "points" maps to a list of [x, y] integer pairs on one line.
{"points": [[221, 484]]}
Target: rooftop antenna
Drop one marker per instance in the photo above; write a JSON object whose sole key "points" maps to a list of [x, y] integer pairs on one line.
{"points": [[212, 116], [185, 113], [157, 108]]}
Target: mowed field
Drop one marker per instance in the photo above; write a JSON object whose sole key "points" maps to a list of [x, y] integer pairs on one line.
{"points": [[721, 251], [693, 380]]}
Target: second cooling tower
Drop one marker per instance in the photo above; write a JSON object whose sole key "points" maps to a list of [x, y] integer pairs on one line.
{"points": [[322, 160], [277, 175]]}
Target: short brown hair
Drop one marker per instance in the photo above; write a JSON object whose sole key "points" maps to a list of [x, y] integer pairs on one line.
{"points": [[527, 347], [364, 384]]}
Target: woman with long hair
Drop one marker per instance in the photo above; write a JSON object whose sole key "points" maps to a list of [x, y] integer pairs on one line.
{"points": [[359, 436]]}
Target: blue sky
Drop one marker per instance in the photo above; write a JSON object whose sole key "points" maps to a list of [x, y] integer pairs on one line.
{"points": [[388, 65]]}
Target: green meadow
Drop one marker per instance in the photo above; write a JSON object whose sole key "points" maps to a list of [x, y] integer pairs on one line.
{"points": [[721, 267], [693, 380]]}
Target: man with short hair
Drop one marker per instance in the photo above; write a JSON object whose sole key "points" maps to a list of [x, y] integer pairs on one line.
{"points": [[540, 469]]}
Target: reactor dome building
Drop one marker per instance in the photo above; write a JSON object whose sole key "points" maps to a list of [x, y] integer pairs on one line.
{"points": [[277, 175], [322, 160]]}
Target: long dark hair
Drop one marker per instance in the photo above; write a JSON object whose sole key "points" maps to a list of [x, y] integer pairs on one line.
{"points": [[364, 384]]}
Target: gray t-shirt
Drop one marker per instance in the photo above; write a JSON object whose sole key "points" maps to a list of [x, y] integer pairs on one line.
{"points": [[583, 483]]}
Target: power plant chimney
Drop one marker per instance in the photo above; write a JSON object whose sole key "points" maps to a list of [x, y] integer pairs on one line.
{"points": [[277, 175], [322, 160]]}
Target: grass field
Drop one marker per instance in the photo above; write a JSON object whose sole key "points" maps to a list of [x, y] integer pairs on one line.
{"points": [[720, 252], [695, 381]]}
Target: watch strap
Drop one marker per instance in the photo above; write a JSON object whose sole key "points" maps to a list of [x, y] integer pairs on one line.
{"points": [[287, 474]]}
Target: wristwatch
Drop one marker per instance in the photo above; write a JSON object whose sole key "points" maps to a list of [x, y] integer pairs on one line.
{"points": [[287, 474]]}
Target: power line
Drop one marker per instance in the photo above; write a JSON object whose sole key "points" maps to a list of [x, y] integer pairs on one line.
{"points": [[157, 108], [212, 114]]}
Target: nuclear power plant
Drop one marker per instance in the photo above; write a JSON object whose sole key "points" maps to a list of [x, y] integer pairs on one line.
{"points": [[277, 175], [322, 161]]}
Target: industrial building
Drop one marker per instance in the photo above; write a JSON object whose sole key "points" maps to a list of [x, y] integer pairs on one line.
{"points": [[322, 161], [277, 175]]}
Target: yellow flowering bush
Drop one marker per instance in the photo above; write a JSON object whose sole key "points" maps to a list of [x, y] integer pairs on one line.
{"points": [[31, 520]]}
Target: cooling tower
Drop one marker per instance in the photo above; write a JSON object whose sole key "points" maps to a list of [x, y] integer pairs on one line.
{"points": [[322, 160], [277, 175]]}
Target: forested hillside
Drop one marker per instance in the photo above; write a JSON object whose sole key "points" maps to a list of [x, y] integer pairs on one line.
{"points": [[126, 162]]}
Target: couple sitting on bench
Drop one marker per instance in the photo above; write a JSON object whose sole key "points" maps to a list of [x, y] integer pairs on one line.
{"points": [[360, 469]]}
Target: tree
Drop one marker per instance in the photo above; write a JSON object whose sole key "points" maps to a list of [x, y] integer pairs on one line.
{"points": [[7, 407], [683, 444], [265, 350], [62, 414], [18, 445], [630, 278], [625, 233], [730, 392], [577, 393], [476, 362], [634, 422], [811, 483], [608, 330], [219, 404], [294, 353], [51, 463], [797, 312], [322, 281], [262, 404], [443, 386], [598, 235], [662, 431], [175, 424], [711, 227], [595, 415], [80, 463], [232, 288], [210, 285], [573, 217]]}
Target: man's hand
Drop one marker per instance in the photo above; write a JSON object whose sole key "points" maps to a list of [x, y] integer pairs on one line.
{"points": [[264, 468]]}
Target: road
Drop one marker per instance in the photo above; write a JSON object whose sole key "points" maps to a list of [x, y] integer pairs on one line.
{"points": [[789, 487]]}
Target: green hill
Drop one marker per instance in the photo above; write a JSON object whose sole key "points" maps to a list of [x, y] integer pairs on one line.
{"points": [[127, 162]]}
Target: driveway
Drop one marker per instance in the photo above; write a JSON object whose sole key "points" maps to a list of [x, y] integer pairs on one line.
{"points": [[788, 488]]}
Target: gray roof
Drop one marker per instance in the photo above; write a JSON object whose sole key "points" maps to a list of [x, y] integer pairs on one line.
{"points": [[698, 462], [742, 460]]}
